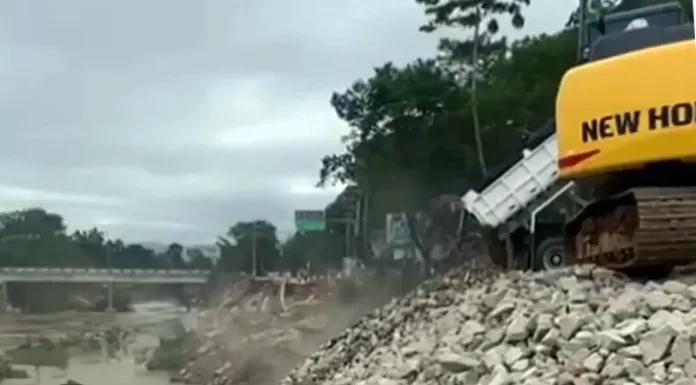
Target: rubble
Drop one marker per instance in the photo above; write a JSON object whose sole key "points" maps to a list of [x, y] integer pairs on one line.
{"points": [[576, 326], [262, 327]]}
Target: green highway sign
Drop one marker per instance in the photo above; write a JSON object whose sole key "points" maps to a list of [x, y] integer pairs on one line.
{"points": [[310, 220]]}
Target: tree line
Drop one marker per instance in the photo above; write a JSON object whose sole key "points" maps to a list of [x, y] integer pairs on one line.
{"points": [[36, 237]]}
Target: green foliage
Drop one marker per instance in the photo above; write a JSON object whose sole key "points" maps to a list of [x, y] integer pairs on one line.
{"points": [[400, 121], [415, 131], [411, 133], [482, 16], [246, 239], [35, 237]]}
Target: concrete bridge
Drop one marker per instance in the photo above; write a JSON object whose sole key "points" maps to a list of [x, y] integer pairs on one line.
{"points": [[95, 275], [77, 275]]}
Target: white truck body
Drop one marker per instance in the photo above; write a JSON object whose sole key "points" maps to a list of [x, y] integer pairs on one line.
{"points": [[531, 178]]}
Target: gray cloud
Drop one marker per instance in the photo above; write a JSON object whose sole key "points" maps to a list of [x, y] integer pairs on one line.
{"points": [[171, 120]]}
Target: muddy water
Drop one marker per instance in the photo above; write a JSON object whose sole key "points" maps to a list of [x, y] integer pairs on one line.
{"points": [[151, 320]]}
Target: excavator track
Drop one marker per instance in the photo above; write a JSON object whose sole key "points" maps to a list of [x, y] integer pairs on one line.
{"points": [[640, 227]]}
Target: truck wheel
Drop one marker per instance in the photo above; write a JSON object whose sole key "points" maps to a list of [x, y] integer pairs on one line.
{"points": [[550, 254], [496, 249]]}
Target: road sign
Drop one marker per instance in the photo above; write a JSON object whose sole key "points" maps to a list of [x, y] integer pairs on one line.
{"points": [[398, 234], [310, 220]]}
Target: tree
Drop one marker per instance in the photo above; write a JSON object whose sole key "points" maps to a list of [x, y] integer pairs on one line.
{"points": [[174, 256], [304, 250], [197, 260], [93, 243], [134, 255], [35, 237], [402, 138], [250, 243], [471, 14], [406, 140]]}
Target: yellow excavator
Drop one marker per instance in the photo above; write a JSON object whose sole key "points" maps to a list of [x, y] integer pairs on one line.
{"points": [[626, 130]]}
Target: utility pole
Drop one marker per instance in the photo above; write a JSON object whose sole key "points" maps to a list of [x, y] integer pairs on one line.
{"points": [[582, 30], [367, 244], [254, 238], [110, 287], [108, 257], [348, 238]]}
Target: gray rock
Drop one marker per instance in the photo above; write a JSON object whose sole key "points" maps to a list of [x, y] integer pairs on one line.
{"points": [[502, 310], [520, 365], [658, 300], [675, 287], [685, 381], [500, 377], [681, 350], [576, 326], [518, 329], [632, 328], [655, 344], [494, 336], [593, 363], [474, 327], [513, 354], [635, 368], [551, 338], [690, 368], [454, 362], [569, 324], [614, 367], [611, 340]]}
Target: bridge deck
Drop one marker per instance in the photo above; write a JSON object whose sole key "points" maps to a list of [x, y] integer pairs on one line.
{"points": [[67, 274]]}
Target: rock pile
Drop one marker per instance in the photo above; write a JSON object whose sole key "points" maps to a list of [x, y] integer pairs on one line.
{"points": [[579, 326]]}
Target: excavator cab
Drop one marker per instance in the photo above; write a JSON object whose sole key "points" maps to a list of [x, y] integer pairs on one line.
{"points": [[615, 110], [607, 27], [626, 124]]}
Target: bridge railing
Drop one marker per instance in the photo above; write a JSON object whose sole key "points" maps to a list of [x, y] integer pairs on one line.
{"points": [[102, 271]]}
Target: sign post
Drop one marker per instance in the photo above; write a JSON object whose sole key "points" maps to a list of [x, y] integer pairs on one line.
{"points": [[310, 221], [398, 234]]}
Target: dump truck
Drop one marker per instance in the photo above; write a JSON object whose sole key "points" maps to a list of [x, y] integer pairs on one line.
{"points": [[625, 130]]}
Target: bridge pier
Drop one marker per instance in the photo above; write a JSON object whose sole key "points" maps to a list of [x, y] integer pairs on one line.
{"points": [[110, 298], [4, 298]]}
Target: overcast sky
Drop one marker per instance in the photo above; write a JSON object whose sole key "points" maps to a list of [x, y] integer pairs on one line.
{"points": [[166, 120]]}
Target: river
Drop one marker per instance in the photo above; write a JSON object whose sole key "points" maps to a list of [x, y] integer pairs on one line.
{"points": [[151, 319]]}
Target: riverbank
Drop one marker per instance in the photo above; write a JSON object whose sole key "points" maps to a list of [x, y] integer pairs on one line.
{"points": [[257, 330]]}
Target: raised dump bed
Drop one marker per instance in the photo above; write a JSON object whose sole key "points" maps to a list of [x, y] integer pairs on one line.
{"points": [[522, 180], [510, 199]]}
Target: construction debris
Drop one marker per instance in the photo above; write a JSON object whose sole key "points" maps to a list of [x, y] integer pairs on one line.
{"points": [[576, 326], [263, 327]]}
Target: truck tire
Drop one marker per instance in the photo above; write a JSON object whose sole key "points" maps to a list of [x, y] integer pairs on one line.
{"points": [[495, 248], [549, 254]]}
